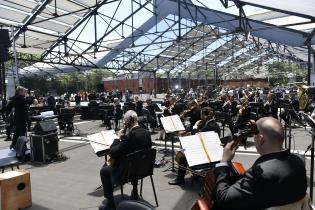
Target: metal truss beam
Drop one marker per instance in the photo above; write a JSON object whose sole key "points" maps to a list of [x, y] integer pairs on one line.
{"points": [[99, 40], [146, 47], [39, 9], [61, 39]]}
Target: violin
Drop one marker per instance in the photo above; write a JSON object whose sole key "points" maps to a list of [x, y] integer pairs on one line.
{"points": [[122, 134]]}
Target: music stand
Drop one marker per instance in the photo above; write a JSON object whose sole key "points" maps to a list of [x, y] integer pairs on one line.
{"points": [[223, 118], [293, 117], [309, 120]]}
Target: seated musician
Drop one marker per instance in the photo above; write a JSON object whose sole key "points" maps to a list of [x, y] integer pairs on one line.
{"points": [[207, 123], [271, 107], [152, 108], [192, 114], [132, 138], [277, 177]]}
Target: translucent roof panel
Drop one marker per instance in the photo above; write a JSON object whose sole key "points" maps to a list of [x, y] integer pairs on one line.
{"points": [[303, 8], [13, 15], [25, 6]]}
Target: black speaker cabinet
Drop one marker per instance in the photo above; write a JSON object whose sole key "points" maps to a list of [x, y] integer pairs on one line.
{"points": [[44, 147], [45, 127]]}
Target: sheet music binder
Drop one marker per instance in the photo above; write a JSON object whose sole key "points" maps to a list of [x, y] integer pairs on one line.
{"points": [[101, 141], [172, 124], [202, 148]]}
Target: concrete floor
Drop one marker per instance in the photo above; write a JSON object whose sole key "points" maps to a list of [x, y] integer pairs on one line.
{"points": [[71, 184]]}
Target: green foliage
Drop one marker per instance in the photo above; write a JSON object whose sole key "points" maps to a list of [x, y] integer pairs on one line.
{"points": [[71, 83], [284, 72]]}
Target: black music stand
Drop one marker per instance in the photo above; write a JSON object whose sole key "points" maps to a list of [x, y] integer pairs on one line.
{"points": [[310, 121], [224, 118], [255, 107], [172, 137], [292, 117]]}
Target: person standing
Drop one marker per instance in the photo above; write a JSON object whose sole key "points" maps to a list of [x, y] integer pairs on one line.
{"points": [[21, 114]]}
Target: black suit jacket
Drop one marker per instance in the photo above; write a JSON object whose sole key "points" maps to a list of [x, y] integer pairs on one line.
{"points": [[20, 110], [138, 138], [275, 179]]}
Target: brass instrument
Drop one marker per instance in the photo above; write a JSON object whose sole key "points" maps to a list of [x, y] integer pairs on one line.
{"points": [[303, 98], [244, 105]]}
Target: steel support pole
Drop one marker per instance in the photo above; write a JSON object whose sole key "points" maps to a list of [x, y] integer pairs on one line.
{"points": [[168, 80], [154, 77], [309, 70]]}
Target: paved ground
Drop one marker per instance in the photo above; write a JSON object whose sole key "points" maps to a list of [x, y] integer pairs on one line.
{"points": [[71, 184]]}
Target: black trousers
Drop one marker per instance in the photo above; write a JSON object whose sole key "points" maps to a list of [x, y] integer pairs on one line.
{"points": [[181, 171], [108, 187], [20, 130]]}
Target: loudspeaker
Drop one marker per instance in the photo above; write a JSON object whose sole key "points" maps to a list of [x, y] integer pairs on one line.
{"points": [[44, 147], [4, 39], [44, 127]]}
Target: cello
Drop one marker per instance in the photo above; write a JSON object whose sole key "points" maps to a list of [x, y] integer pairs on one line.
{"points": [[206, 202]]}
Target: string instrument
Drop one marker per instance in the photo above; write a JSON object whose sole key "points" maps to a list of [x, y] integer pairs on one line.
{"points": [[206, 202], [123, 134]]}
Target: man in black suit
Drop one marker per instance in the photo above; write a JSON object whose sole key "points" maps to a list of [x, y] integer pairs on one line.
{"points": [[20, 114], [132, 138], [276, 178]]}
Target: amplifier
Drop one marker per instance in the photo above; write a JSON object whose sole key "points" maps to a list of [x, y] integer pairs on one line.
{"points": [[44, 147], [45, 127]]}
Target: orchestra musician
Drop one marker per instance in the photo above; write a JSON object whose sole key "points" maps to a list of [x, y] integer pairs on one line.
{"points": [[271, 107], [207, 123], [277, 177], [132, 138], [192, 113]]}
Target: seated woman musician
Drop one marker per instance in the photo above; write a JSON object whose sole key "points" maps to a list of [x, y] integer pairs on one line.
{"points": [[277, 177], [207, 123]]}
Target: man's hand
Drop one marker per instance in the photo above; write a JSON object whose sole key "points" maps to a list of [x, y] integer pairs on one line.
{"points": [[229, 151]]}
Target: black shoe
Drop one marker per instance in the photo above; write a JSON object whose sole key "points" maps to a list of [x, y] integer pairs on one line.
{"points": [[134, 195], [11, 147], [106, 207], [176, 182]]}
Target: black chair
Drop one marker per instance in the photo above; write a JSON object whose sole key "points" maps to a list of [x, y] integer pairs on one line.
{"points": [[135, 171], [133, 205], [65, 120]]}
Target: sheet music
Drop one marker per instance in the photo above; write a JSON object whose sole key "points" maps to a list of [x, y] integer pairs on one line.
{"points": [[198, 153], [213, 145], [172, 124], [101, 141], [193, 150]]}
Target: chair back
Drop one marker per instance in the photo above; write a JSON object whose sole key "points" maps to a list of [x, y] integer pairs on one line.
{"points": [[140, 164], [133, 205]]}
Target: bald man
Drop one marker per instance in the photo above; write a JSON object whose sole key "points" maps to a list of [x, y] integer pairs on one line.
{"points": [[276, 178]]}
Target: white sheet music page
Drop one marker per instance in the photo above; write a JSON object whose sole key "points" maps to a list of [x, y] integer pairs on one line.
{"points": [[168, 124], [178, 124], [172, 124], [212, 144], [109, 136], [97, 142], [193, 150]]}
